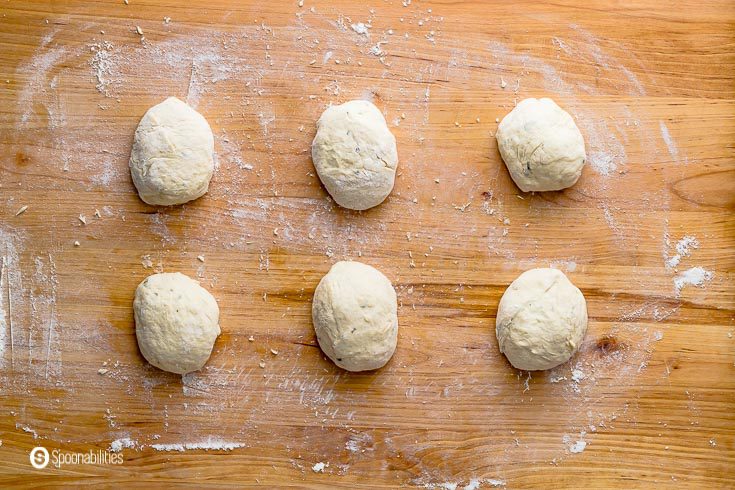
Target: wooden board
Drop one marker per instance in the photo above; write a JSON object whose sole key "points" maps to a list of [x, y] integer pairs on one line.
{"points": [[651, 393]]}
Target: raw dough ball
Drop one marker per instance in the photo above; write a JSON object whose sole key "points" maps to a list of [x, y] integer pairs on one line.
{"points": [[355, 154], [541, 146], [542, 318], [176, 322], [355, 316], [172, 160]]}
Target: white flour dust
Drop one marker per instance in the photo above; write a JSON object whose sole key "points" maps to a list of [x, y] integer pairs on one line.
{"points": [[695, 276], [9, 293], [102, 66], [578, 447], [683, 249], [210, 444], [123, 443], [36, 75], [472, 484], [670, 145], [9, 275], [44, 335]]}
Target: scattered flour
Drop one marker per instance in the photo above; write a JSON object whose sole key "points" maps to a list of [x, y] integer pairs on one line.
{"points": [[27, 429], [4, 287], [696, 276], [119, 444], [473, 484], [666, 136], [476, 483], [361, 28], [569, 265], [359, 443], [577, 446], [577, 375], [36, 72], [319, 467], [606, 151], [102, 62], [612, 223], [603, 163], [146, 262], [683, 249], [12, 302], [211, 444]]}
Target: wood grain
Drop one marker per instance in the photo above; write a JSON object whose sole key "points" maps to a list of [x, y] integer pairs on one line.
{"points": [[651, 87]]}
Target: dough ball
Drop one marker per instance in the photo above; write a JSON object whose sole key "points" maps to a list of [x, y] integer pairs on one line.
{"points": [[355, 316], [172, 160], [176, 322], [355, 154], [542, 318], [541, 146]]}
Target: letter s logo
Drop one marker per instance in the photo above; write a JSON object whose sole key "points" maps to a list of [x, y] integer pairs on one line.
{"points": [[39, 457]]}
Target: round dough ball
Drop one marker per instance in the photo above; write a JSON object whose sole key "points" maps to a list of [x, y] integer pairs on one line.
{"points": [[355, 314], [541, 146], [172, 160], [176, 322], [355, 154], [542, 318]]}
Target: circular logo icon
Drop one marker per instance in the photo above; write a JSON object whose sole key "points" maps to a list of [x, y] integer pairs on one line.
{"points": [[39, 457]]}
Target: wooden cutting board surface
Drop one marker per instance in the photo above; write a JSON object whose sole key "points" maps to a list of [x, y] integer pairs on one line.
{"points": [[650, 398]]}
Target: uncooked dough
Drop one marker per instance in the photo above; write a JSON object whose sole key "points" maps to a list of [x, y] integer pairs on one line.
{"points": [[355, 154], [176, 322], [355, 314], [542, 318], [172, 160], [541, 146]]}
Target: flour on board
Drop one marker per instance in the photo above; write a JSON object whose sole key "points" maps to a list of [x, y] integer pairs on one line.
{"points": [[666, 136], [102, 65], [695, 276], [472, 484], [577, 446], [361, 28], [210, 444], [123, 443], [27, 429], [683, 249], [36, 71]]}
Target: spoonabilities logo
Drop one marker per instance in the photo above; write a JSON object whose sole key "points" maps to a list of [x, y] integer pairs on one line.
{"points": [[39, 457]]}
